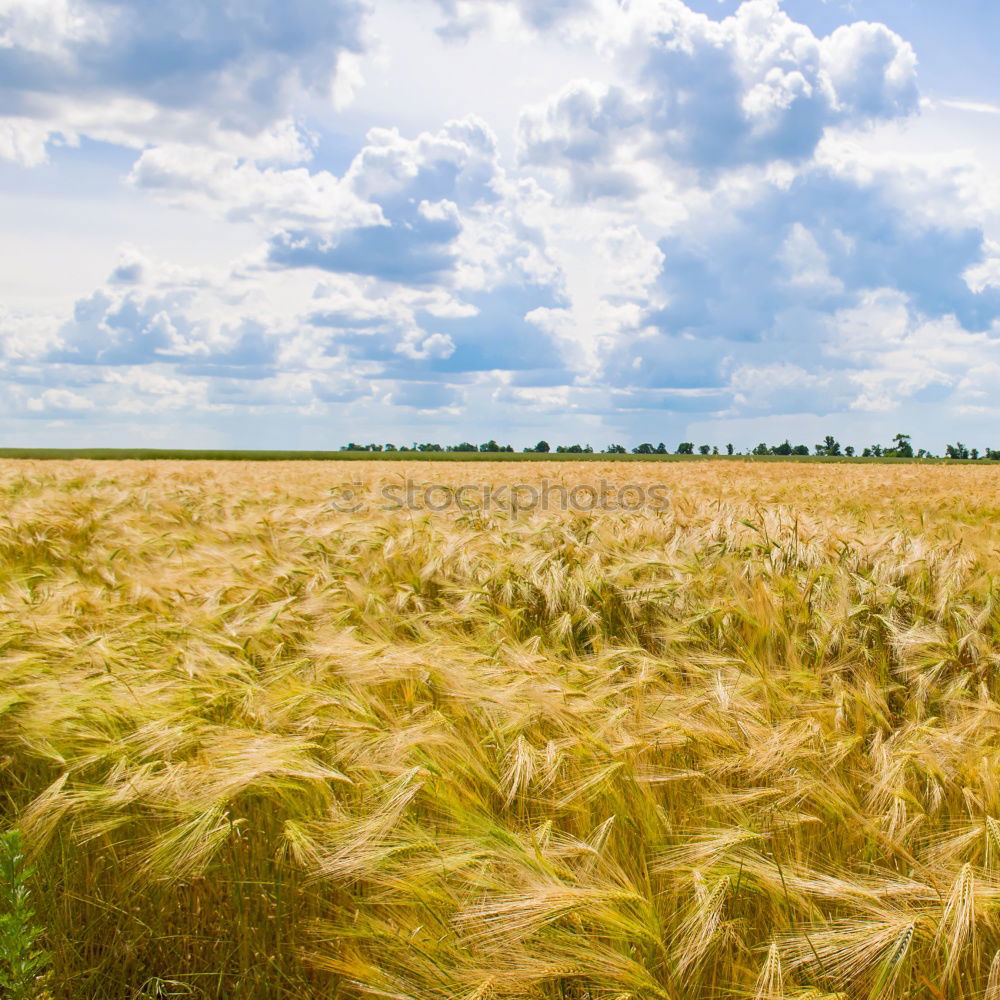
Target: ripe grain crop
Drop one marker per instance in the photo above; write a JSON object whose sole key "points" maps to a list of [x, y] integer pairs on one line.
{"points": [[744, 746]]}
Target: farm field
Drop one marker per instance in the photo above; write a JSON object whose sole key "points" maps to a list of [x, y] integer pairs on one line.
{"points": [[265, 737]]}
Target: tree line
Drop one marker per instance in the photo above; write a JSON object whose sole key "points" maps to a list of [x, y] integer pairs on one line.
{"points": [[901, 446]]}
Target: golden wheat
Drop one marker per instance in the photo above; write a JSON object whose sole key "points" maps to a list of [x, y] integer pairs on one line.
{"points": [[747, 745]]}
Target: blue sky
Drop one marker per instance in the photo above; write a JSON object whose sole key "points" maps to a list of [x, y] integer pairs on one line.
{"points": [[293, 223]]}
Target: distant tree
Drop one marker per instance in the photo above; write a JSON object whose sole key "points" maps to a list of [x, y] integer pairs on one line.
{"points": [[615, 449], [993, 456], [542, 447], [490, 446], [830, 447], [390, 447], [661, 449], [429, 447], [685, 448], [644, 449], [782, 449], [588, 450], [704, 449], [463, 446], [849, 451], [570, 449], [957, 451], [729, 449], [507, 448], [715, 449], [761, 449], [801, 449], [901, 447]]}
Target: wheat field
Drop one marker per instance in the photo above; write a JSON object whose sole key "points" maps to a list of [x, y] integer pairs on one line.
{"points": [[741, 746]]}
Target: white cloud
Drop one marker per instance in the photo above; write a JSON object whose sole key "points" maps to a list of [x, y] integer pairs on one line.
{"points": [[224, 185], [873, 71], [420, 347], [201, 71], [25, 335], [442, 212], [24, 141], [59, 401], [985, 274], [713, 95], [978, 107]]}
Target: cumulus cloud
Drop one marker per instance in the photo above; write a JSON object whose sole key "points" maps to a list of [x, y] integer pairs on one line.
{"points": [[139, 72], [58, 401], [433, 268], [152, 314], [711, 95], [441, 210], [873, 71], [416, 246], [896, 355], [417, 190], [421, 347], [232, 188], [411, 333], [845, 285], [24, 141], [593, 132], [238, 335]]}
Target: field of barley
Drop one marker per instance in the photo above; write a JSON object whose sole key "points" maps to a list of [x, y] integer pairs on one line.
{"points": [[745, 744]]}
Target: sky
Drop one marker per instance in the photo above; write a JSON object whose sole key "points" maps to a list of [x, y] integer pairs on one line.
{"points": [[298, 223]]}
